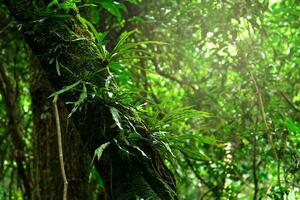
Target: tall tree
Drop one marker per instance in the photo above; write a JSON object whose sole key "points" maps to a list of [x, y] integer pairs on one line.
{"points": [[71, 57]]}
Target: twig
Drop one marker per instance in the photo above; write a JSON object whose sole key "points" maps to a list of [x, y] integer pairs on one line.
{"points": [[195, 172], [254, 168], [288, 101], [267, 128], [170, 77], [6, 27], [60, 148], [263, 115]]}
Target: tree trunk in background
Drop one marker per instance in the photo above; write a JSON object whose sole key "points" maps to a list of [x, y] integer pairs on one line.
{"points": [[47, 174], [69, 42], [16, 131]]}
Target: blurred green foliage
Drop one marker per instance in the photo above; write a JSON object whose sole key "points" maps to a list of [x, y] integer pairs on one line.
{"points": [[217, 83]]}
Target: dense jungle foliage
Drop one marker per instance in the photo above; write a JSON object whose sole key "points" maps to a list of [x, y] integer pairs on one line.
{"points": [[165, 99]]}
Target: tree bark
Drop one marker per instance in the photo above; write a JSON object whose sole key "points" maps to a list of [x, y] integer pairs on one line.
{"points": [[48, 183], [15, 131], [69, 42]]}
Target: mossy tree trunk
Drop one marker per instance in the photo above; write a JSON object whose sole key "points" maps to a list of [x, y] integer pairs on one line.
{"points": [[65, 40], [48, 181]]}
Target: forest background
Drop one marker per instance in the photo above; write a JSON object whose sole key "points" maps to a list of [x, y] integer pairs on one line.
{"points": [[206, 93]]}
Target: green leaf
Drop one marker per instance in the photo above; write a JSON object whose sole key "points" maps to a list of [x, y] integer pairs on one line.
{"points": [[99, 36], [121, 41], [141, 151], [57, 67], [123, 152], [193, 154], [52, 3], [168, 148], [82, 98], [113, 7], [134, 136], [99, 151], [133, 1], [116, 116], [65, 89], [292, 126], [96, 176], [87, 5], [95, 15]]}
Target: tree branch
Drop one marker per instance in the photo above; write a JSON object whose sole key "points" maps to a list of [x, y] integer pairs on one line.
{"points": [[60, 148], [288, 101]]}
